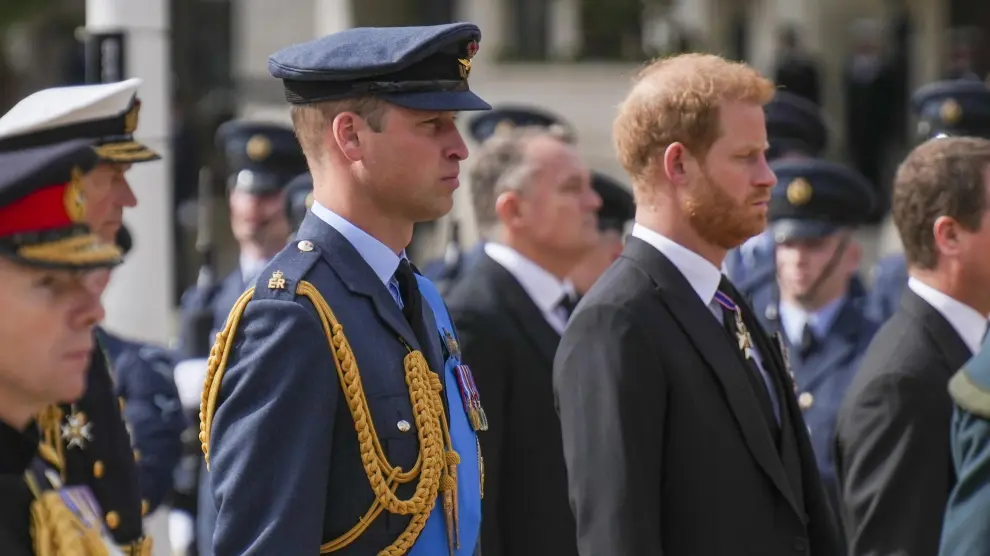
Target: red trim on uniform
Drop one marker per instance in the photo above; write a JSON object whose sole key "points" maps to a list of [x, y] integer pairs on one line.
{"points": [[40, 211]]}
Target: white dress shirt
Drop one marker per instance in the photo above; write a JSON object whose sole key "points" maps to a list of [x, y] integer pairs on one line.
{"points": [[545, 289], [793, 320], [704, 278], [967, 322]]}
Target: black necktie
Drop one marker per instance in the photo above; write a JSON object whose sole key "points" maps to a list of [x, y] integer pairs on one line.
{"points": [[567, 303], [412, 302], [754, 375], [809, 344]]}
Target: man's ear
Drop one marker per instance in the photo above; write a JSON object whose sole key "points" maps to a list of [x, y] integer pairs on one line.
{"points": [[946, 231], [509, 209], [675, 160], [344, 132]]}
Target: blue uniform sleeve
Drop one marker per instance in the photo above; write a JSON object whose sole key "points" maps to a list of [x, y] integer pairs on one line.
{"points": [[153, 411], [966, 529], [271, 434]]}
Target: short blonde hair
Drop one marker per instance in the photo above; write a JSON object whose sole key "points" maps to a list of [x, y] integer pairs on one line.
{"points": [[310, 121], [677, 99]]}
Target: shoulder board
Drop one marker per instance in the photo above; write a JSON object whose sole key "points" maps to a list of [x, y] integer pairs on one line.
{"points": [[970, 387], [281, 277]]}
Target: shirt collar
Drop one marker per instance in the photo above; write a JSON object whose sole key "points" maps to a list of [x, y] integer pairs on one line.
{"points": [[382, 260], [543, 288], [703, 276], [966, 321], [794, 318]]}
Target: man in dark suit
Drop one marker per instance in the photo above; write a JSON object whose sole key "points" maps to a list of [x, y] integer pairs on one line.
{"points": [[892, 436], [341, 419], [534, 201], [681, 432]]}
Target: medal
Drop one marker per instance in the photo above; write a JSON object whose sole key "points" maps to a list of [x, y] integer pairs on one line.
{"points": [[76, 431], [742, 335], [471, 398], [452, 347]]}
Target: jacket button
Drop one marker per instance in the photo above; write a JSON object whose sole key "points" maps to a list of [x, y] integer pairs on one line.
{"points": [[113, 520], [403, 426], [145, 506], [137, 455], [97, 469], [121, 403]]}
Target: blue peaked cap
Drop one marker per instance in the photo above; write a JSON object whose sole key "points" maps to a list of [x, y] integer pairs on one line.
{"points": [[421, 68]]}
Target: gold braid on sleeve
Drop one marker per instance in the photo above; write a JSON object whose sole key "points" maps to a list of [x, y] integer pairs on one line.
{"points": [[435, 469]]}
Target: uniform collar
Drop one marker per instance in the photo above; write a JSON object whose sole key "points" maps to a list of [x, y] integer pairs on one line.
{"points": [[703, 276], [543, 288], [793, 319], [379, 257], [965, 320]]}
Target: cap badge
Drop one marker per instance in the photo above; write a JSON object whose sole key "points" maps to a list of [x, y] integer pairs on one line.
{"points": [[131, 119], [799, 192], [74, 198], [258, 148], [464, 64], [504, 126], [950, 112]]}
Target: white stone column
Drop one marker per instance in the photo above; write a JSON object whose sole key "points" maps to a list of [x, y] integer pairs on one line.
{"points": [[565, 29], [331, 16], [139, 299]]}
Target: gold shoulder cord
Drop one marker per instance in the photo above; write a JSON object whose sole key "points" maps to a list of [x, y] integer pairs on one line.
{"points": [[436, 464]]}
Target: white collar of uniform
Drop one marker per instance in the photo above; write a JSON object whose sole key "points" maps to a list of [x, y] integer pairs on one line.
{"points": [[793, 319], [382, 260], [543, 288], [699, 272], [967, 322]]}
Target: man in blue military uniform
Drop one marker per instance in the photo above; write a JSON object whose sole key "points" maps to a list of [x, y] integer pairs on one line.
{"points": [[298, 199], [149, 401], [795, 129], [88, 440], [813, 210], [337, 415], [944, 109], [966, 529], [446, 271], [261, 158]]}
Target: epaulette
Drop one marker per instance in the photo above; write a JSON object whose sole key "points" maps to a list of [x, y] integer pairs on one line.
{"points": [[279, 281], [970, 387], [285, 271]]}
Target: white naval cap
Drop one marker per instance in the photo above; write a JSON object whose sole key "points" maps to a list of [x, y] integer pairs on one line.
{"points": [[106, 113]]}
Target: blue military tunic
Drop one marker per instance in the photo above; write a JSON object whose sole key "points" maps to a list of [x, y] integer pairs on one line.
{"points": [[283, 431], [151, 408], [843, 332]]}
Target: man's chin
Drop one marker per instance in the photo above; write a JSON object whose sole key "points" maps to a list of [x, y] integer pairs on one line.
{"points": [[108, 232]]}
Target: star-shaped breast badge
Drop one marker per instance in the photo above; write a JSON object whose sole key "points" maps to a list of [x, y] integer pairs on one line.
{"points": [[76, 431]]}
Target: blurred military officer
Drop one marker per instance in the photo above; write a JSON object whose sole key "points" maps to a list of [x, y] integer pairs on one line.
{"points": [[446, 271], [795, 129], [89, 438], [261, 159], [338, 417], [147, 395], [616, 211], [966, 529], [944, 109], [813, 211], [51, 266], [298, 199]]}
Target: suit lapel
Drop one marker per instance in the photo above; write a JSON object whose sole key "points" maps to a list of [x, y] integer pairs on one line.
{"points": [[946, 338], [357, 275], [522, 308], [715, 348]]}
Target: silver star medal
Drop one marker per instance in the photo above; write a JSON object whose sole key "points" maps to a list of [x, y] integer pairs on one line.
{"points": [[77, 430], [745, 343]]}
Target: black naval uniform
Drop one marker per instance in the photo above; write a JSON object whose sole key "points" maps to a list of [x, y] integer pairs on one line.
{"points": [[97, 452], [17, 449]]}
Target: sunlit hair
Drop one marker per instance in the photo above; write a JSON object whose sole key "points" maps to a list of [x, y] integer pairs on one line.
{"points": [[677, 99], [311, 121]]}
